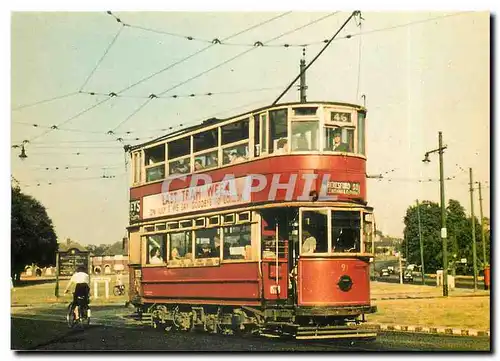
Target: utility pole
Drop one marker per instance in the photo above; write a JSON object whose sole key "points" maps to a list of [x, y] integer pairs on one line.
{"points": [[444, 232], [483, 240], [421, 243], [474, 256], [303, 85]]}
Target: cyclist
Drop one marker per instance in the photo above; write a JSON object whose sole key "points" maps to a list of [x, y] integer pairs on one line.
{"points": [[82, 288]]}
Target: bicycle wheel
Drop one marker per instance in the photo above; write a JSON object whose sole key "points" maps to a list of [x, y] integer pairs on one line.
{"points": [[70, 315], [85, 315], [117, 291]]}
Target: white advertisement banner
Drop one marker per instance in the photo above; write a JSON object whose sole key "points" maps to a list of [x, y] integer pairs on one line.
{"points": [[214, 195]]}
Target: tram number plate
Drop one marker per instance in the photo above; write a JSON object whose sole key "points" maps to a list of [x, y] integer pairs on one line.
{"points": [[341, 117], [275, 289]]}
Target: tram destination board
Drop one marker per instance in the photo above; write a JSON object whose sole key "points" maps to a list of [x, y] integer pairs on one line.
{"points": [[70, 260]]}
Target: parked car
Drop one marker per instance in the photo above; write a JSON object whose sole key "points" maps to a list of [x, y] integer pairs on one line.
{"points": [[408, 276], [384, 272]]}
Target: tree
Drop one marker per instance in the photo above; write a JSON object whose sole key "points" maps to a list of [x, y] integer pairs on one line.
{"points": [[33, 239], [459, 240], [430, 219]]}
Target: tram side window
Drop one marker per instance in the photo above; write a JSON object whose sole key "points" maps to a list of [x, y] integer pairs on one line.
{"points": [[206, 160], [235, 132], [205, 140], [237, 154], [339, 139], [181, 166], [207, 243], [278, 124], [346, 227], [305, 135], [154, 159], [156, 249], [361, 132], [180, 245], [314, 231], [237, 242]]}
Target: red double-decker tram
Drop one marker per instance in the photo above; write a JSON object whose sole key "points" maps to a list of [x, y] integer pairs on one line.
{"points": [[255, 223]]}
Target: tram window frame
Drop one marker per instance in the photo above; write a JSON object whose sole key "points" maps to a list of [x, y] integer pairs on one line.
{"points": [[361, 127], [204, 157], [160, 227], [235, 253], [210, 234], [149, 228], [229, 132], [344, 247], [277, 118], [151, 243], [186, 223], [211, 219], [228, 218], [208, 139], [187, 249], [245, 215], [305, 233], [155, 173], [305, 111], [240, 151], [179, 148], [264, 130], [172, 225], [199, 222], [154, 155], [182, 168], [347, 137], [256, 132], [313, 143]]}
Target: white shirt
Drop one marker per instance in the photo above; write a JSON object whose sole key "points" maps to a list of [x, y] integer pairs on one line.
{"points": [[80, 277], [156, 260]]}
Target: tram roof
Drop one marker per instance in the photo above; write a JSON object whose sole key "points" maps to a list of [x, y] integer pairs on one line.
{"points": [[212, 121]]}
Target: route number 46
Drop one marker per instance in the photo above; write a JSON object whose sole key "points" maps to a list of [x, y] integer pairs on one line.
{"points": [[341, 117]]}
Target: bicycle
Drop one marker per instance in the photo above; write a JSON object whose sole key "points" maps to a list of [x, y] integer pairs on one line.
{"points": [[119, 290], [83, 312]]}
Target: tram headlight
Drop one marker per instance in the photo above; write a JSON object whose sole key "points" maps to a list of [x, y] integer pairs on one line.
{"points": [[345, 283]]}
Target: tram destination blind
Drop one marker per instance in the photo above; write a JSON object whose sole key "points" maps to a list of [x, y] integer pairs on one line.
{"points": [[72, 259]]}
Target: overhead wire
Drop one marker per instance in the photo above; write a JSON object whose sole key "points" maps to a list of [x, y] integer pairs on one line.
{"points": [[101, 59], [218, 66]]}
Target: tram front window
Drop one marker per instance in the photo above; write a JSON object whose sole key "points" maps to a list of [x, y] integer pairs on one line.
{"points": [[314, 231], [346, 227]]}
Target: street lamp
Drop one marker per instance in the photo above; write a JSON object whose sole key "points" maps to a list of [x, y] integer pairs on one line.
{"points": [[440, 150]]}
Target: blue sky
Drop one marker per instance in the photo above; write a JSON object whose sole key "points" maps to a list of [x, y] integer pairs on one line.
{"points": [[422, 72]]}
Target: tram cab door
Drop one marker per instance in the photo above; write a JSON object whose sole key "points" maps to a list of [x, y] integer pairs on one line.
{"points": [[275, 252]]}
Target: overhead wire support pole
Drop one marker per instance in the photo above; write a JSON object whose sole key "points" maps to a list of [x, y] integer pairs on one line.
{"points": [[483, 241], [355, 13], [473, 220], [421, 243]]}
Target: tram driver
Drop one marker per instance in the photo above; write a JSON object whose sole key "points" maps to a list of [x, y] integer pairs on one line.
{"points": [[309, 245]]}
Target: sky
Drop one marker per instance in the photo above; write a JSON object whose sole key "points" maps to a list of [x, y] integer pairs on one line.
{"points": [[421, 72]]}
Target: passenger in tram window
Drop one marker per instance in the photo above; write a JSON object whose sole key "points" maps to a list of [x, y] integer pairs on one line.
{"points": [[212, 161], [235, 157], [181, 167], [156, 257], [198, 165], [282, 146], [338, 146], [175, 254], [309, 245]]}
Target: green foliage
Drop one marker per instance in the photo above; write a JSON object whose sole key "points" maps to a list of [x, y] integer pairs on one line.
{"points": [[459, 241], [33, 239], [106, 249]]}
